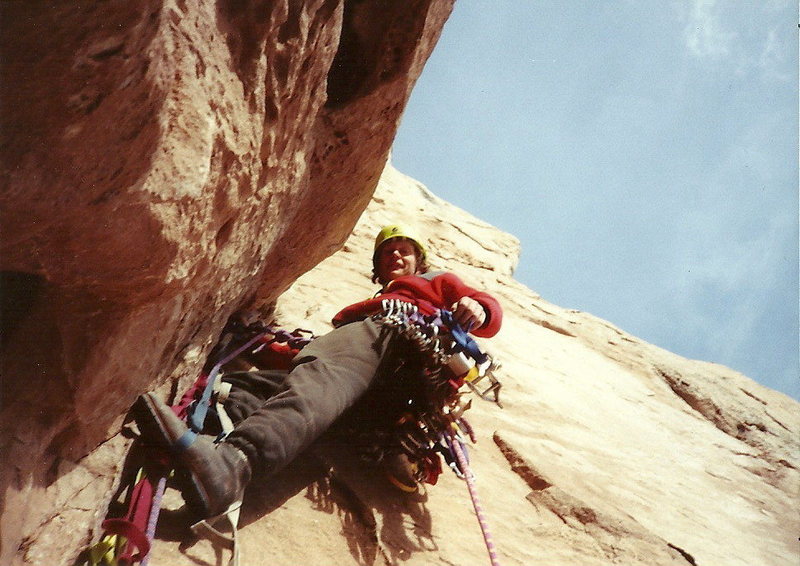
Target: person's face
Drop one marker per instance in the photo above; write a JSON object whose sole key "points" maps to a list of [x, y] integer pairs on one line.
{"points": [[396, 258]]}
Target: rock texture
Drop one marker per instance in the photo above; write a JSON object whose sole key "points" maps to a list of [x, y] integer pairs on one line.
{"points": [[164, 163], [193, 159]]}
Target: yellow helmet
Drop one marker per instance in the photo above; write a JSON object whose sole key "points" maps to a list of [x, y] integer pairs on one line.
{"points": [[397, 231]]}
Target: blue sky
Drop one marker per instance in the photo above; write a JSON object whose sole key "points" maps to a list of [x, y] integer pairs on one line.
{"points": [[646, 155]]}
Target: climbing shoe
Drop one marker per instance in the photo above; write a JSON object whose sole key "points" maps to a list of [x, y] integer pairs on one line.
{"points": [[401, 472], [212, 477]]}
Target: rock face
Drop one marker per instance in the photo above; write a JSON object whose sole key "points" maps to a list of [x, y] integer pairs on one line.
{"points": [[164, 163], [193, 159], [607, 450]]}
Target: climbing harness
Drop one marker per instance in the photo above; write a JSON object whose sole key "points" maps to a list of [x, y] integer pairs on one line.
{"points": [[451, 358], [128, 539], [454, 358], [446, 343]]}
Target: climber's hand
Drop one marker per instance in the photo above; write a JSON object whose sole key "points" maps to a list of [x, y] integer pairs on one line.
{"points": [[468, 313]]}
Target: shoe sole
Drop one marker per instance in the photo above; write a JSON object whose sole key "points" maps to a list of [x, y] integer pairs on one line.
{"points": [[151, 426], [154, 431], [401, 485]]}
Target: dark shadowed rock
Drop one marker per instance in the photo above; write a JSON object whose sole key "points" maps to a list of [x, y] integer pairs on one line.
{"points": [[165, 163]]}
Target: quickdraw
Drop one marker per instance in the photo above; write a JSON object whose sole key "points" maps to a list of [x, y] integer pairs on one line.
{"points": [[445, 343]]}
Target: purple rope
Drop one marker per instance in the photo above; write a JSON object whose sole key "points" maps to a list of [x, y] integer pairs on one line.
{"points": [[153, 519], [291, 338], [476, 504]]}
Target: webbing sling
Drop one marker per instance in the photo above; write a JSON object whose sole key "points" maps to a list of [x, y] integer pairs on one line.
{"points": [[461, 337], [197, 417]]}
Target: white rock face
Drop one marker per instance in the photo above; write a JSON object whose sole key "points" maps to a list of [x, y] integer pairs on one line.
{"points": [[607, 450]]}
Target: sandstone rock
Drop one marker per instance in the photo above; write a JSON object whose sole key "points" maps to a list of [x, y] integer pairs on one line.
{"points": [[185, 160]]}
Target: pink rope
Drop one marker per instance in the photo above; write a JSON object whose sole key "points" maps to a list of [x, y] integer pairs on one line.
{"points": [[154, 512], [476, 504]]}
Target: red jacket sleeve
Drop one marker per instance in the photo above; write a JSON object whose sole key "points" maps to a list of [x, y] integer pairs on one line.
{"points": [[441, 291], [356, 311], [451, 289]]}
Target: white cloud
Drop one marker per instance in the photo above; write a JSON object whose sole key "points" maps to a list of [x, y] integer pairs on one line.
{"points": [[704, 33], [753, 37], [772, 60]]}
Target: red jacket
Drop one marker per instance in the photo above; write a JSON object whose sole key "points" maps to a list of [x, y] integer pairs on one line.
{"points": [[429, 293]]}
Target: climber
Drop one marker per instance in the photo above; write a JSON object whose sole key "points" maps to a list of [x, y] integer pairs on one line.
{"points": [[279, 415]]}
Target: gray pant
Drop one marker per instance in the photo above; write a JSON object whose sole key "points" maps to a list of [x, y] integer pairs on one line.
{"points": [[279, 414]]}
